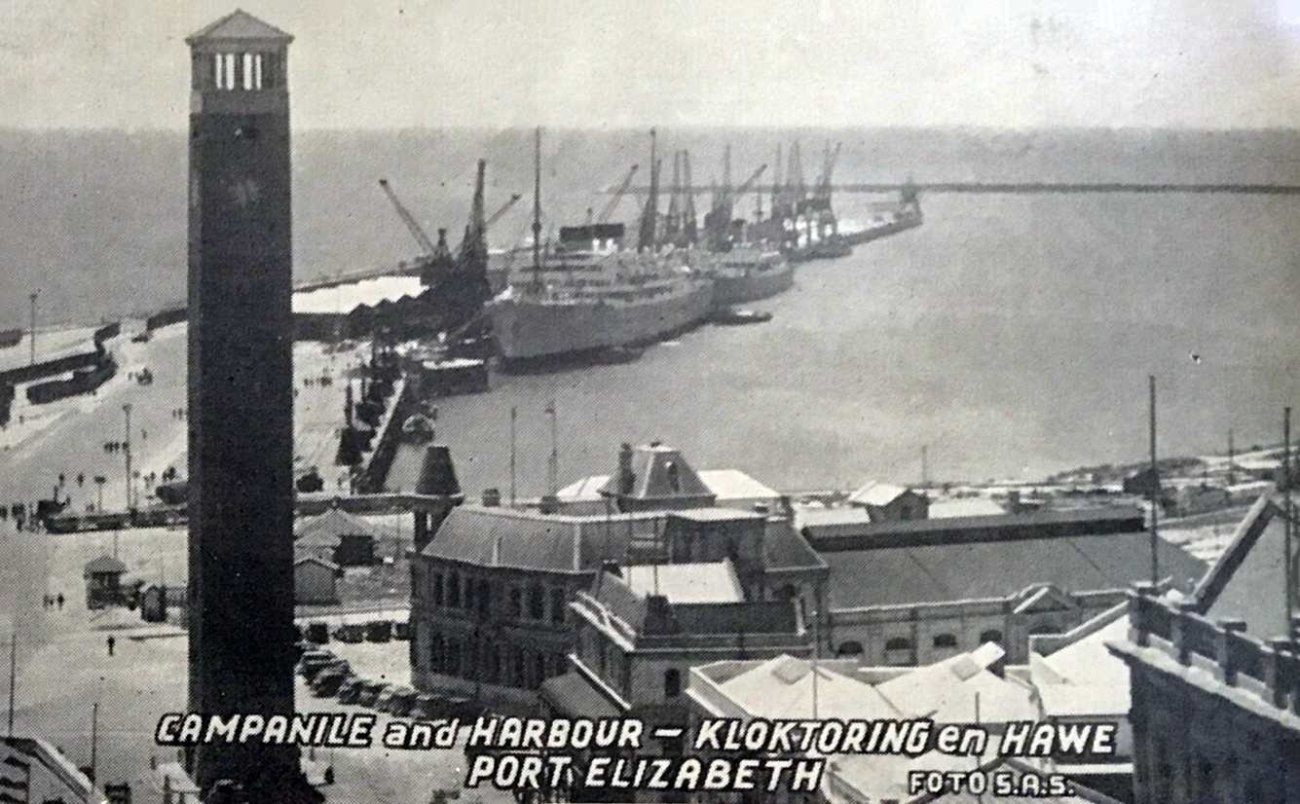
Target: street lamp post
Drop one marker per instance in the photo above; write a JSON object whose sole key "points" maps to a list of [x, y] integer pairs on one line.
{"points": [[32, 297], [126, 448]]}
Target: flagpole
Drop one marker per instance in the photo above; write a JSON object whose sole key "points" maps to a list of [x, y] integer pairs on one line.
{"points": [[514, 415], [13, 676], [1155, 490], [1288, 531]]}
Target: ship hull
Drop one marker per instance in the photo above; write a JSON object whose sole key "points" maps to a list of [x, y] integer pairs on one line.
{"points": [[529, 331], [752, 285], [901, 223]]}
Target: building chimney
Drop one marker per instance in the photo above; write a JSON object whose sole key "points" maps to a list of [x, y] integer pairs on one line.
{"points": [[491, 498], [626, 477]]}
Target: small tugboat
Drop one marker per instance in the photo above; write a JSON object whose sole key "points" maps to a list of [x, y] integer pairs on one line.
{"points": [[738, 316]]}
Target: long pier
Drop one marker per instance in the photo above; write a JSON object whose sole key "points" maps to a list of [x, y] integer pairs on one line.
{"points": [[1025, 188]]}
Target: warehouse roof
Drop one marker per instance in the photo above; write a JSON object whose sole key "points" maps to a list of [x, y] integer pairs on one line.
{"points": [[985, 570], [857, 535]]}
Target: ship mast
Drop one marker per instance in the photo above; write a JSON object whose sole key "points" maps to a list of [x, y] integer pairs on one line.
{"points": [[537, 207], [651, 211], [688, 213]]}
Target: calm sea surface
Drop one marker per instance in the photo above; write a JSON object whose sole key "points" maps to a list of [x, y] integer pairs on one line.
{"points": [[1012, 334]]}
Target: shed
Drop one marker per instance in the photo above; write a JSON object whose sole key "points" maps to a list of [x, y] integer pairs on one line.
{"points": [[315, 580], [338, 536], [103, 578], [886, 502]]}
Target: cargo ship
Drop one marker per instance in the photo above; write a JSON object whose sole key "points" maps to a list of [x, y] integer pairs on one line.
{"points": [[589, 294], [748, 272]]}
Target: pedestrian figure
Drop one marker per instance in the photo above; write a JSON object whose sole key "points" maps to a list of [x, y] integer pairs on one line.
{"points": [[111, 644], [59, 600], [81, 478]]}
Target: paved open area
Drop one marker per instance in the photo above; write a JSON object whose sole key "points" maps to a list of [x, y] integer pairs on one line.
{"points": [[64, 669]]}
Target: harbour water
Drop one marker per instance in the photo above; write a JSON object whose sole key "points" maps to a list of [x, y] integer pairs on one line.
{"points": [[1012, 334]]}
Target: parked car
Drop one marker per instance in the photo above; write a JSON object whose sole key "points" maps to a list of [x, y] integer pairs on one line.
{"points": [[349, 690], [350, 633], [313, 661], [327, 682], [400, 701], [379, 631], [318, 632], [463, 707], [429, 706], [371, 693]]}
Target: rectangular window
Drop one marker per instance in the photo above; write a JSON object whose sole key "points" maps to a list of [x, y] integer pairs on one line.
{"points": [[437, 589], [248, 71], [536, 602], [516, 602], [257, 71], [558, 605], [230, 71], [218, 71]]}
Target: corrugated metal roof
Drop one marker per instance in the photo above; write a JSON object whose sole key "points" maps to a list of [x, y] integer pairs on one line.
{"points": [[855, 534], [983, 570], [103, 564], [328, 529], [784, 548], [877, 493], [1242, 581]]}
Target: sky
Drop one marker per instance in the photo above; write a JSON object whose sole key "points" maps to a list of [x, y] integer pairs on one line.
{"points": [[618, 63]]}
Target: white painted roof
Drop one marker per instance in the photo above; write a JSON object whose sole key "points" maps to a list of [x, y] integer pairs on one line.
{"points": [[686, 583], [346, 298]]}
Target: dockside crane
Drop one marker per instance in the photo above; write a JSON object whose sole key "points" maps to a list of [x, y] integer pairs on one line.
{"points": [[506, 207], [690, 234], [412, 225], [436, 262], [608, 211]]}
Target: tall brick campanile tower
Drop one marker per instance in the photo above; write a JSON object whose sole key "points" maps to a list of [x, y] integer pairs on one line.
{"points": [[240, 397]]}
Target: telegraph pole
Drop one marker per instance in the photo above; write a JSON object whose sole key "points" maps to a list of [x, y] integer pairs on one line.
{"points": [[1155, 488], [94, 739], [32, 297], [514, 416], [13, 676], [126, 449], [1289, 529]]}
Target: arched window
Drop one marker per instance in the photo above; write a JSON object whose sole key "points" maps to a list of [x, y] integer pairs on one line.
{"points": [[672, 683], [453, 590], [516, 602], [991, 635], [849, 649], [484, 598], [945, 641]]}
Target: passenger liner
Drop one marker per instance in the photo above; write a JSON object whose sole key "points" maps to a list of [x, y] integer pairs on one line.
{"points": [[591, 295]]}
